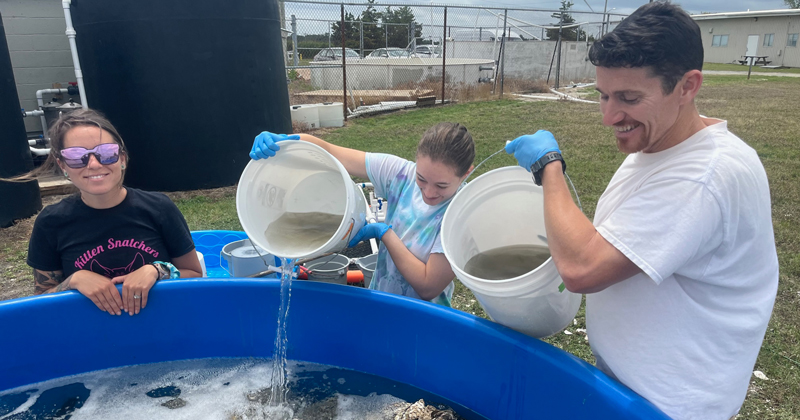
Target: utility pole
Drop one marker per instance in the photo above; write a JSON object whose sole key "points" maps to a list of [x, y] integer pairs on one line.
{"points": [[294, 40], [558, 60]]}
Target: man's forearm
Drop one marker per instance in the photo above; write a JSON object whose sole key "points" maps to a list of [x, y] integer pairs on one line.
{"points": [[569, 231]]}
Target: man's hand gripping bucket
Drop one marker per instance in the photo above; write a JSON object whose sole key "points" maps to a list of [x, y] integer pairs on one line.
{"points": [[301, 203]]}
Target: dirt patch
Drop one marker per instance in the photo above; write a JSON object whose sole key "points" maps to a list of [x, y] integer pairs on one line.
{"points": [[16, 278]]}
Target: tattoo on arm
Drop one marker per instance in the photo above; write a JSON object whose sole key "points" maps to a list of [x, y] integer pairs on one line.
{"points": [[50, 281]]}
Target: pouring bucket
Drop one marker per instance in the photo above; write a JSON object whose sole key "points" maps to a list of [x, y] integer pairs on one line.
{"points": [[300, 203], [367, 266], [499, 209]]}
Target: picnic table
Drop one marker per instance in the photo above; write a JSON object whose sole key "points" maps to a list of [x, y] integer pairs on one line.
{"points": [[754, 59]]}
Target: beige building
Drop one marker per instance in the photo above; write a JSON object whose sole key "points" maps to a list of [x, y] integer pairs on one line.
{"points": [[772, 34]]}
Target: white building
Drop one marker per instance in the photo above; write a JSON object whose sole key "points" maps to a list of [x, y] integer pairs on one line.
{"points": [[728, 37]]}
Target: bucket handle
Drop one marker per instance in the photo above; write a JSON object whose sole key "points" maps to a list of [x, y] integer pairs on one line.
{"points": [[503, 150]]}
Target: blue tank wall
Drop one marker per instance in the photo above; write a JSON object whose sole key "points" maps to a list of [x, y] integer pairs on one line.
{"points": [[493, 370]]}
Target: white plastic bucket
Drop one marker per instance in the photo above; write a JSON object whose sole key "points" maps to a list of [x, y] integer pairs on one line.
{"points": [[244, 259], [367, 266], [503, 208], [330, 269], [302, 179]]}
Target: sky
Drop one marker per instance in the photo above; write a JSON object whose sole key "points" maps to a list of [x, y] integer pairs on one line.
{"points": [[625, 6], [316, 18]]}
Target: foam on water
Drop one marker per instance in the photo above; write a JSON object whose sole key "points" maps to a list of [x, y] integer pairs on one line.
{"points": [[211, 389]]}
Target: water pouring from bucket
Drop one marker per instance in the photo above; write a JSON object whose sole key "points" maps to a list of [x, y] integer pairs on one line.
{"points": [[300, 203]]}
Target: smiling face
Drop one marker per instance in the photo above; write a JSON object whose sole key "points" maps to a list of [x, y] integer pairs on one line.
{"points": [[633, 103], [95, 181], [436, 180]]}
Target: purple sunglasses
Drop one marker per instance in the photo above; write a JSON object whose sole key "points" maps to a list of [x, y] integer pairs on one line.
{"points": [[78, 157]]}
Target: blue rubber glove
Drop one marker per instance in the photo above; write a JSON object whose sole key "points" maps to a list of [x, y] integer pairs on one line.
{"points": [[531, 147], [371, 230], [264, 145]]}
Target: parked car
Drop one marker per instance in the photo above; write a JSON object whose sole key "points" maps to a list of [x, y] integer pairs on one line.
{"points": [[428, 51], [335, 54], [389, 53]]}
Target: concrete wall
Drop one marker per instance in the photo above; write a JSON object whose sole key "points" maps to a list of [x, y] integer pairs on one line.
{"points": [[383, 73], [530, 60], [39, 50], [738, 30]]}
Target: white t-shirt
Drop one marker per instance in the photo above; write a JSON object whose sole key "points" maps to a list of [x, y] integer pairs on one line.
{"points": [[696, 218], [416, 223]]}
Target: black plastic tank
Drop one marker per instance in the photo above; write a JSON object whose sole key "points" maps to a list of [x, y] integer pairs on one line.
{"points": [[188, 83], [18, 200]]}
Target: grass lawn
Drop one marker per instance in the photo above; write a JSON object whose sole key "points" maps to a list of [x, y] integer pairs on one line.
{"points": [[762, 111]]}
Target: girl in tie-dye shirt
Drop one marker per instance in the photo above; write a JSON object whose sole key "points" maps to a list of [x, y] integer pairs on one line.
{"points": [[411, 261]]}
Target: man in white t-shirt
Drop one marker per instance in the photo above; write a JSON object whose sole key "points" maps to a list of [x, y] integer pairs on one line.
{"points": [[679, 266]]}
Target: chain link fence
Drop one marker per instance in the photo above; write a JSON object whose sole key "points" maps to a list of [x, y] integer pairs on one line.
{"points": [[375, 56]]}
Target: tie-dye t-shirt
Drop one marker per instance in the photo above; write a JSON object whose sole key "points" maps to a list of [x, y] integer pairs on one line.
{"points": [[416, 223]]}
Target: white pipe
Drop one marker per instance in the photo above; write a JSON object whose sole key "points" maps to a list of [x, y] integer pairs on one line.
{"points": [[32, 142], [40, 95], [74, 48], [39, 152], [572, 98], [371, 219], [34, 113]]}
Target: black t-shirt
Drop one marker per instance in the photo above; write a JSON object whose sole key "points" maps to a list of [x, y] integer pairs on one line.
{"points": [[71, 236]]}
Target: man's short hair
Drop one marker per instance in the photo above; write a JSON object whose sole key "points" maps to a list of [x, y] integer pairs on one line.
{"points": [[658, 35]]}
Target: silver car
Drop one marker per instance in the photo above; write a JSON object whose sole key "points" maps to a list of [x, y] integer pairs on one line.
{"points": [[335, 54], [389, 53], [428, 51]]}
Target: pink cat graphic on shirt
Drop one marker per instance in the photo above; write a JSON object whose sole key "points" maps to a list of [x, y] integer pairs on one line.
{"points": [[138, 261]]}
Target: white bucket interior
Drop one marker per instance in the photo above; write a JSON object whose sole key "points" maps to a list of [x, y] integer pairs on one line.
{"points": [[243, 259], [504, 208], [301, 179], [329, 269], [367, 266]]}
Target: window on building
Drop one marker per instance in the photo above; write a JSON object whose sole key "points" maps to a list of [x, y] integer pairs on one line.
{"points": [[719, 41], [792, 42], [768, 39]]}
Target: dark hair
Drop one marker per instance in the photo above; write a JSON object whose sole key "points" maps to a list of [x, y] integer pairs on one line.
{"points": [[658, 35], [449, 143], [59, 129]]}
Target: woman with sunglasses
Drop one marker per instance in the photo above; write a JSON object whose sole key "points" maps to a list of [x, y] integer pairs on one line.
{"points": [[106, 234]]}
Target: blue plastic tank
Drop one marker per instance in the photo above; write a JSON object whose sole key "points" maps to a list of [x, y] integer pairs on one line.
{"points": [[493, 370]]}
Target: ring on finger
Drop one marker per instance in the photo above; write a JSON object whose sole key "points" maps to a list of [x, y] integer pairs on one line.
{"points": [[137, 297]]}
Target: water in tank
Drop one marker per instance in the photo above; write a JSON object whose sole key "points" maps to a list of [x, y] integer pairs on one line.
{"points": [[188, 83]]}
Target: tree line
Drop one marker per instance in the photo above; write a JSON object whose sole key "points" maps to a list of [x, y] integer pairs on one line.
{"points": [[390, 27]]}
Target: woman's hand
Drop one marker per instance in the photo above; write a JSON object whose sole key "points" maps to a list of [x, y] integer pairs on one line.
{"points": [[264, 145], [135, 288], [97, 288], [369, 231]]}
